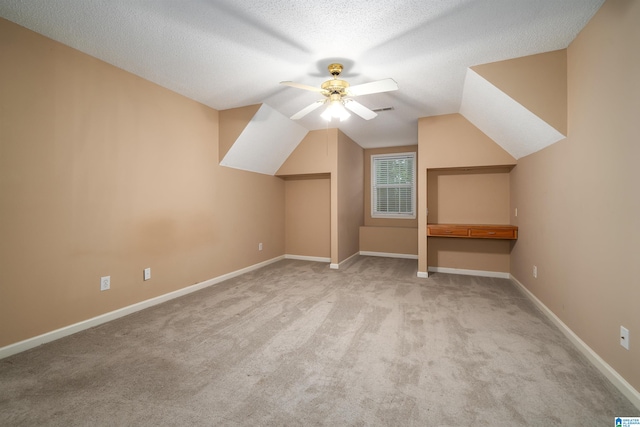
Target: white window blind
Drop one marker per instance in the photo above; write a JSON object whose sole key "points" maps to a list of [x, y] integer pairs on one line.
{"points": [[393, 185]]}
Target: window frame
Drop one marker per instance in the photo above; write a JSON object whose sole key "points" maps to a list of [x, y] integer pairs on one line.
{"points": [[374, 187]]}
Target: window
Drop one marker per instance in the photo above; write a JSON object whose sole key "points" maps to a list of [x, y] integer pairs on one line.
{"points": [[393, 191]]}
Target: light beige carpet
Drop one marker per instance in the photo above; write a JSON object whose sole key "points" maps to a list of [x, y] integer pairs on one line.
{"points": [[296, 343]]}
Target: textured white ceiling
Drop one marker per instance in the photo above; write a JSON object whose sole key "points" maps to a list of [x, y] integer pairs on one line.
{"points": [[231, 53]]}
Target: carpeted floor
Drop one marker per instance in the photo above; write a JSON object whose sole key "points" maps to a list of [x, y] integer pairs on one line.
{"points": [[296, 343]]}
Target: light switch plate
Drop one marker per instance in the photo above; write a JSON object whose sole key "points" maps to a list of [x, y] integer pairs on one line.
{"points": [[147, 273]]}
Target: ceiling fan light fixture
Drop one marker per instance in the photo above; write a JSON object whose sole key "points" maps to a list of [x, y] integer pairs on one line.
{"points": [[335, 110]]}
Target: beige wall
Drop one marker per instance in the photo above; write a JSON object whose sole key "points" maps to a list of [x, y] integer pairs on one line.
{"points": [[387, 235], [384, 222], [389, 240], [316, 153], [452, 142], [232, 123], [537, 82], [578, 200], [103, 173], [476, 196], [308, 216], [470, 254], [350, 196], [330, 151]]}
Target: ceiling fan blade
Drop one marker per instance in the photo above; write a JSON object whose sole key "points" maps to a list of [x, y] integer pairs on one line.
{"points": [[306, 110], [385, 85], [302, 86], [359, 109]]}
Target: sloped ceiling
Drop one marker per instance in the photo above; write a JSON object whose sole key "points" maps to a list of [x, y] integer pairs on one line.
{"points": [[538, 82], [512, 126], [265, 143], [233, 53]]}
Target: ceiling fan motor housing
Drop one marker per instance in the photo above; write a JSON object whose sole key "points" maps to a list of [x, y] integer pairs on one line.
{"points": [[335, 69], [335, 86]]}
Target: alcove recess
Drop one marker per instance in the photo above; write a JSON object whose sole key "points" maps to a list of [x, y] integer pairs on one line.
{"points": [[470, 204]]}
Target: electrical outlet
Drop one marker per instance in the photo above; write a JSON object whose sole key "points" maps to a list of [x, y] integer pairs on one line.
{"points": [[259, 246], [516, 212], [535, 271], [147, 273], [105, 283], [624, 337]]}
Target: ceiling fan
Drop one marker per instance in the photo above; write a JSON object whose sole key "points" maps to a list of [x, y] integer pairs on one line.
{"points": [[338, 94]]}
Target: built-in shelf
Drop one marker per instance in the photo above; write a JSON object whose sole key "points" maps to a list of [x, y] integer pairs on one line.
{"points": [[473, 231]]}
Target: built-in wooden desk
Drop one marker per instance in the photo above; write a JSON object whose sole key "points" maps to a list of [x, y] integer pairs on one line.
{"points": [[473, 231]]}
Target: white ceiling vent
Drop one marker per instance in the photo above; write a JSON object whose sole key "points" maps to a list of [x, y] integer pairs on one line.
{"points": [[265, 143], [501, 118]]}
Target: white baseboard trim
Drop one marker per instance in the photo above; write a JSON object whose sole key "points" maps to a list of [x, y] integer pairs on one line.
{"points": [[616, 379], [481, 273], [423, 274], [388, 255], [337, 266], [29, 343], [308, 258]]}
